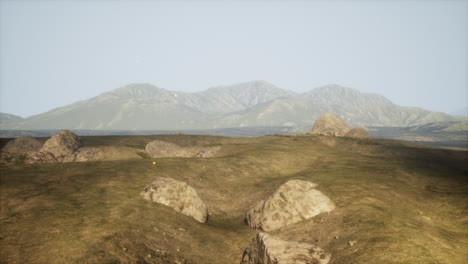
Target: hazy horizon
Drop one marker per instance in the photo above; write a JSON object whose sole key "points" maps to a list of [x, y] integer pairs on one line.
{"points": [[56, 53]]}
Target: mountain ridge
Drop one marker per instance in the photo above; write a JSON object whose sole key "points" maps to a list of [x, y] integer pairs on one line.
{"points": [[143, 106]]}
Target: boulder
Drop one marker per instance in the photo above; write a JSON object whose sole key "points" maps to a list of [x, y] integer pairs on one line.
{"points": [[60, 147], [292, 202], [330, 125], [89, 154], [162, 149], [357, 132], [178, 195], [22, 145], [267, 249]]}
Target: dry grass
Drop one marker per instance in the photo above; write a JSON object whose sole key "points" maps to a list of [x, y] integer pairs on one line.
{"points": [[401, 202]]}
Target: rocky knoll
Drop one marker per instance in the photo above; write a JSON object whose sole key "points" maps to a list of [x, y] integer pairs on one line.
{"points": [[22, 145], [20, 149], [59, 148], [330, 125], [267, 249], [161, 149], [357, 132], [292, 202], [178, 195]]}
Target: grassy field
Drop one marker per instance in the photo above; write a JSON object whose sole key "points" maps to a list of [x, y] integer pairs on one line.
{"points": [[401, 202]]}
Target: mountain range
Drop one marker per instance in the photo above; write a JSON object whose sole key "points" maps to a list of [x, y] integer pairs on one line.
{"points": [[144, 106]]}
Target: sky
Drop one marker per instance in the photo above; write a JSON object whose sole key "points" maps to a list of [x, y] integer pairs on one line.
{"points": [[53, 53]]}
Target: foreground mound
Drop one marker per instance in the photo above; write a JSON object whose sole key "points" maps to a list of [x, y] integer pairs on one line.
{"points": [[292, 202], [162, 149], [60, 147], [267, 249], [22, 145], [330, 125], [178, 195], [357, 132]]}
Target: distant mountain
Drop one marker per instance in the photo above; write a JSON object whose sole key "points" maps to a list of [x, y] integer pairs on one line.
{"points": [[298, 112], [441, 134], [334, 94], [7, 119], [251, 104]]}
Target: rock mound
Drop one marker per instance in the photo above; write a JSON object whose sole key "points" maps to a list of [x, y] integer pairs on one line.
{"points": [[267, 249], [161, 149], [22, 145], [60, 147], [292, 202], [357, 132], [178, 195], [89, 154], [330, 125]]}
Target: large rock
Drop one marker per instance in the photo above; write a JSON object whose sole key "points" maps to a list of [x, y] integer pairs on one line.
{"points": [[292, 202], [357, 132], [162, 149], [267, 249], [159, 149], [330, 125], [89, 154], [60, 147], [22, 145], [177, 195]]}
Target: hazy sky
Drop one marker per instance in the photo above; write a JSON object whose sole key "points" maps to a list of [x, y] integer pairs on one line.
{"points": [[54, 53]]}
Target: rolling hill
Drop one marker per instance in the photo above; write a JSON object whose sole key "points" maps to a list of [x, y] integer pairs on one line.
{"points": [[399, 202]]}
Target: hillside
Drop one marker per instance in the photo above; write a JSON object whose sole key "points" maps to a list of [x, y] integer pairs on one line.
{"points": [[8, 118], [453, 134], [251, 104], [400, 202]]}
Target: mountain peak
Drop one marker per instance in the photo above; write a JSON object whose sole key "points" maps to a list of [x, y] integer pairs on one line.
{"points": [[139, 90], [252, 85], [340, 95]]}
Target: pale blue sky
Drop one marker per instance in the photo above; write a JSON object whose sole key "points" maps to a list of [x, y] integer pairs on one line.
{"points": [[54, 53]]}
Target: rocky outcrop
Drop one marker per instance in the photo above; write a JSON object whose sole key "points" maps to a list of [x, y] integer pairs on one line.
{"points": [[357, 132], [22, 145], [330, 125], [162, 149], [178, 195], [89, 154], [292, 202], [20, 150], [59, 148], [267, 249]]}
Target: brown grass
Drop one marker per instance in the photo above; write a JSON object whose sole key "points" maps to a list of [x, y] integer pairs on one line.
{"points": [[401, 202]]}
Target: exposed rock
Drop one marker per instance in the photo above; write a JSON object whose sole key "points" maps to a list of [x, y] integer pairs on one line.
{"points": [[330, 125], [357, 132], [22, 145], [89, 154], [292, 202], [178, 195], [161, 149], [207, 152], [267, 249], [60, 147]]}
